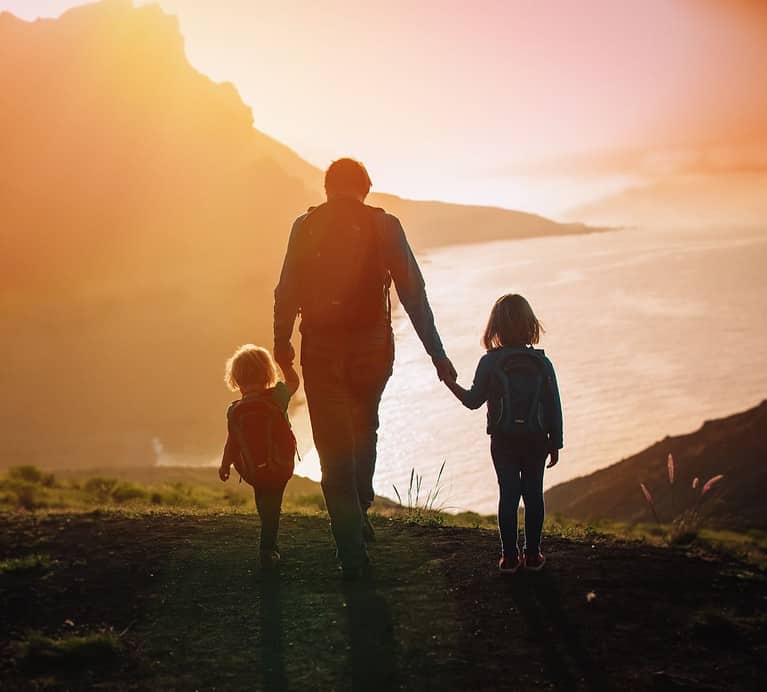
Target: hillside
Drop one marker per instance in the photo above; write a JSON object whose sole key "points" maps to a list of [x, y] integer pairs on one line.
{"points": [[734, 446], [735, 199], [176, 601], [142, 224]]}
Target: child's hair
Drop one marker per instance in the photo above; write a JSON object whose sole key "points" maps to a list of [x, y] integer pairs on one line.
{"points": [[250, 366], [512, 323]]}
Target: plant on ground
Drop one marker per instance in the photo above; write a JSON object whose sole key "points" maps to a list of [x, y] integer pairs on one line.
{"points": [[685, 523], [31, 474], [71, 651], [26, 563], [426, 512], [314, 501]]}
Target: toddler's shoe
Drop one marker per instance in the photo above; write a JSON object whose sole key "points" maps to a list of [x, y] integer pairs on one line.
{"points": [[534, 562], [508, 564]]}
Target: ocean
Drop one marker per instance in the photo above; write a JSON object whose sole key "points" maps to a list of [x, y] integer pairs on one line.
{"points": [[651, 332]]}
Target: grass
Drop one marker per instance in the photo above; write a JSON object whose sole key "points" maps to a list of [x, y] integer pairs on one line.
{"points": [[31, 489], [194, 611], [421, 507], [27, 563], [69, 652], [28, 488]]}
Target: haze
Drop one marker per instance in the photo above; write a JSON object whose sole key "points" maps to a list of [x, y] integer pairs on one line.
{"points": [[539, 106]]}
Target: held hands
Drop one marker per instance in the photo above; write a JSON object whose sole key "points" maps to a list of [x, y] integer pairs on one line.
{"points": [[445, 370], [284, 355], [223, 472], [554, 454]]}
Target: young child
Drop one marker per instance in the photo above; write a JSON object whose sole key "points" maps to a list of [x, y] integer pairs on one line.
{"points": [[519, 449], [252, 372]]}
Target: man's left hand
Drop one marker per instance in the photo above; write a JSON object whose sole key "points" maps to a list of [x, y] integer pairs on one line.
{"points": [[284, 355], [445, 370]]}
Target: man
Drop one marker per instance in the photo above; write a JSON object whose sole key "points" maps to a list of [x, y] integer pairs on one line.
{"points": [[341, 259]]}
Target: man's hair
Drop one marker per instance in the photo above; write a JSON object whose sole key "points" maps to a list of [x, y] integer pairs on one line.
{"points": [[512, 323], [250, 366], [347, 177]]}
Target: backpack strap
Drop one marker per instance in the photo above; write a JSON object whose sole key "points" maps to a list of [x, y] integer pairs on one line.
{"points": [[378, 215]]}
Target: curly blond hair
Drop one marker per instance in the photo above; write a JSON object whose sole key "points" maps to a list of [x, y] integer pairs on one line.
{"points": [[250, 366]]}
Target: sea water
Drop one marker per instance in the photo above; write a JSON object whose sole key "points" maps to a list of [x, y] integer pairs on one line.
{"points": [[651, 334]]}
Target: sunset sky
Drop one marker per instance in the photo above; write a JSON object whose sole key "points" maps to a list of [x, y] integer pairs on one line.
{"points": [[529, 104]]}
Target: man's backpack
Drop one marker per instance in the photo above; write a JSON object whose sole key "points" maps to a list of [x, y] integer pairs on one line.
{"points": [[266, 442], [521, 388], [343, 283]]}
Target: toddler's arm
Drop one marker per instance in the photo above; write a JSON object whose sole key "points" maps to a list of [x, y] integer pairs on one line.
{"points": [[226, 461], [291, 379]]}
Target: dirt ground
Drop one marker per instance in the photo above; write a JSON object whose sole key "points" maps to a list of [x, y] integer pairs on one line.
{"points": [[186, 598]]}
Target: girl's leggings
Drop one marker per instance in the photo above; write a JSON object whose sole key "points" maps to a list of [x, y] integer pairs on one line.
{"points": [[519, 465]]}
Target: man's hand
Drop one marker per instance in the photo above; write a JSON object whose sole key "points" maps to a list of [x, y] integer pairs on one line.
{"points": [[445, 370], [554, 454], [284, 355], [223, 472]]}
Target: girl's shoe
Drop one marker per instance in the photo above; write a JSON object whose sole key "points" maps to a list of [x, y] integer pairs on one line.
{"points": [[508, 564], [534, 562]]}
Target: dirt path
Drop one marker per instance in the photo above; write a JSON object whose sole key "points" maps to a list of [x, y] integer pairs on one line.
{"points": [[436, 614]]}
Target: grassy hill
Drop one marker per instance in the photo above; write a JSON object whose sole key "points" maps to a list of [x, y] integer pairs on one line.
{"points": [[734, 446], [175, 600], [143, 220]]}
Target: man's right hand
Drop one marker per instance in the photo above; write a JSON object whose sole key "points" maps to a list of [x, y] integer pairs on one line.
{"points": [[284, 355], [445, 370]]}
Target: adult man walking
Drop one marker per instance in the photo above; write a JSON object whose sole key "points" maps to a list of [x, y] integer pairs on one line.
{"points": [[341, 259]]}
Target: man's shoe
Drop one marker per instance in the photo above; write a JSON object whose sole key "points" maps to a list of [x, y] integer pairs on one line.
{"points": [[509, 564], [534, 562], [368, 530], [270, 559]]}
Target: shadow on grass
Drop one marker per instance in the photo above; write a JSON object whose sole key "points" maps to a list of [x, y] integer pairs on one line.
{"points": [[371, 635], [272, 636], [566, 660]]}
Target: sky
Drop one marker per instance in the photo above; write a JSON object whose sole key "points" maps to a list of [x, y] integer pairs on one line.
{"points": [[528, 104]]}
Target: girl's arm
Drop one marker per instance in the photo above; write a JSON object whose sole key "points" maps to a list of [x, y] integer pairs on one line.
{"points": [[459, 392], [476, 396], [556, 438], [291, 379]]}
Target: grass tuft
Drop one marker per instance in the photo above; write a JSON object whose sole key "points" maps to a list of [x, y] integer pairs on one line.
{"points": [[26, 563], [70, 652]]}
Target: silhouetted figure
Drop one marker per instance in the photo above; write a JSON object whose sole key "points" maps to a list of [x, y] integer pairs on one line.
{"points": [[341, 259], [259, 443], [524, 421], [371, 636]]}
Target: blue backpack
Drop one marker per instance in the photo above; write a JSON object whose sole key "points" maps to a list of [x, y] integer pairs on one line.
{"points": [[521, 391]]}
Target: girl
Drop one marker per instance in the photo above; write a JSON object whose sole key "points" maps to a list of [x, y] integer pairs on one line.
{"points": [[514, 376], [253, 372]]}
